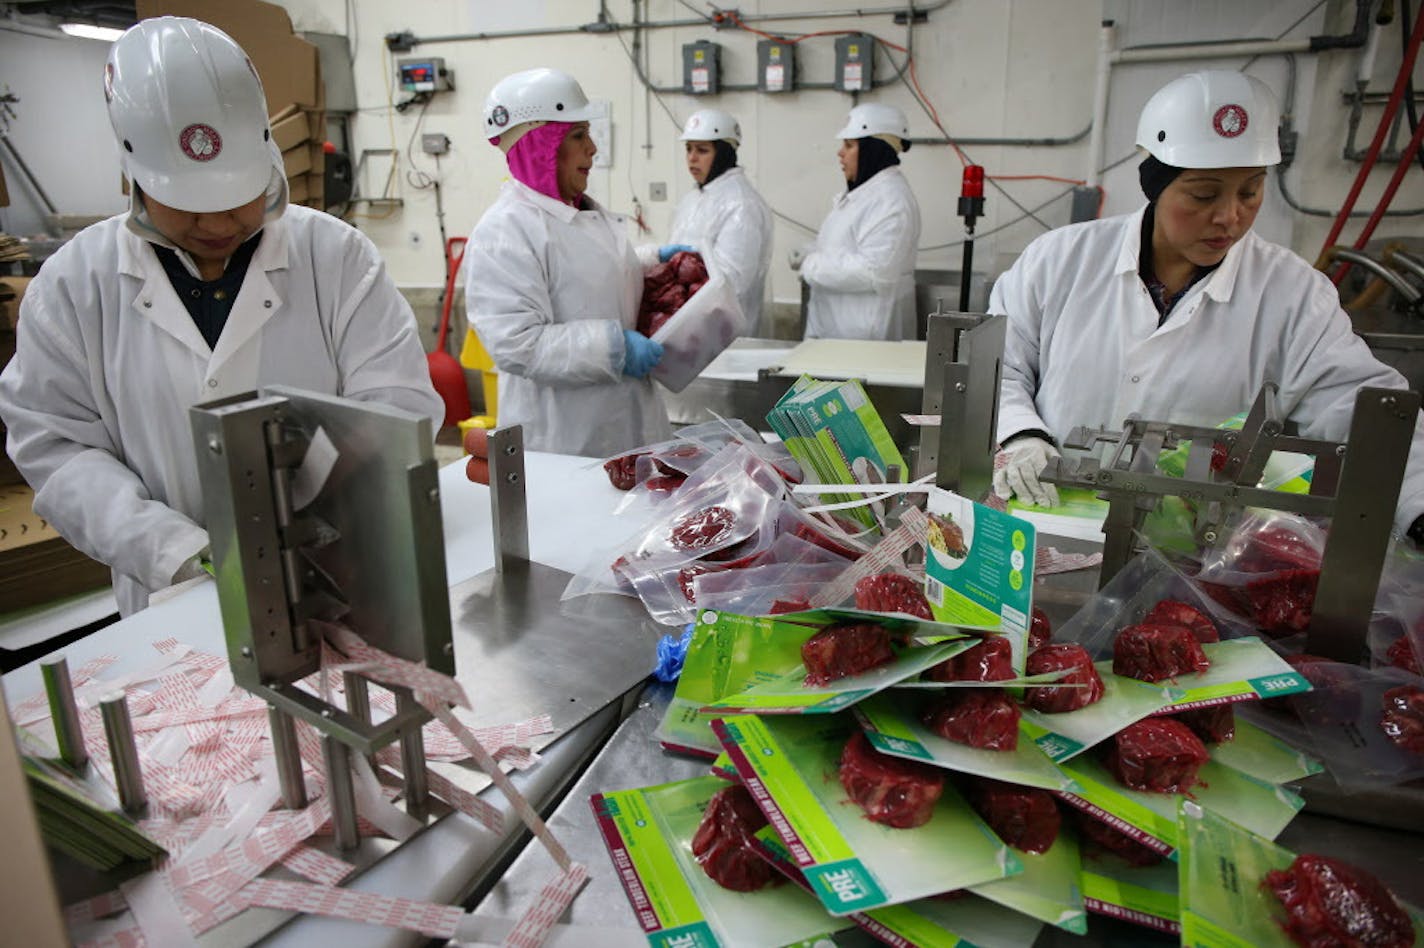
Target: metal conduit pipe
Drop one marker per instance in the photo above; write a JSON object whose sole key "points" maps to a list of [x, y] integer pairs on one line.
{"points": [[1400, 284], [401, 42], [1021, 142], [1406, 260]]}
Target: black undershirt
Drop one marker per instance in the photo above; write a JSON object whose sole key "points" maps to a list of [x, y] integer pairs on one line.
{"points": [[1155, 288], [209, 302]]}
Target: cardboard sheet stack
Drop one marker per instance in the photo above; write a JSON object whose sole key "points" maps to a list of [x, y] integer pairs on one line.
{"points": [[291, 76]]}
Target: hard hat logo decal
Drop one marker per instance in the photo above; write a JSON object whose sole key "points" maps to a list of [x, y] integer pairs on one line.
{"points": [[500, 116], [200, 142], [1229, 121]]}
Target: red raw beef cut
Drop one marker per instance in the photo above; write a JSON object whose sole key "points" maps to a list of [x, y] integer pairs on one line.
{"points": [[622, 471], [781, 606], [1401, 655], [1052, 699], [1332, 904], [660, 275], [803, 531], [891, 790], [1154, 652], [979, 717], [723, 841], [1214, 724], [891, 592], [1117, 842], [703, 528], [1277, 548], [1040, 630], [839, 651], [990, 660], [665, 483], [1180, 613], [689, 267], [1280, 604], [1024, 817], [1156, 755], [1403, 719]]}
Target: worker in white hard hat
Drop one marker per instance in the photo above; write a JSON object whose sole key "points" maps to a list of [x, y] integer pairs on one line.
{"points": [[209, 286], [1179, 311], [861, 267], [723, 218], [552, 284]]}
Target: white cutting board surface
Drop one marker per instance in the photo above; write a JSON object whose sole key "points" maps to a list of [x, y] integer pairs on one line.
{"points": [[876, 362]]}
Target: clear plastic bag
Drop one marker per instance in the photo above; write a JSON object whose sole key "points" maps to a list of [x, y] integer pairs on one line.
{"points": [[1266, 570], [698, 332], [1343, 721]]}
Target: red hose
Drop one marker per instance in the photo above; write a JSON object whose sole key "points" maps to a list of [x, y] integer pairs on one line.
{"points": [[1406, 69], [1406, 160]]}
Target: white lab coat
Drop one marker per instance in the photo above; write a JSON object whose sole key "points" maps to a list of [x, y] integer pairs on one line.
{"points": [[861, 269], [549, 290], [730, 225], [1084, 347], [108, 363]]}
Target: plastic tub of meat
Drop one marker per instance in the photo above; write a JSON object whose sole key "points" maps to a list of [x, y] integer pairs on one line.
{"points": [[698, 332]]}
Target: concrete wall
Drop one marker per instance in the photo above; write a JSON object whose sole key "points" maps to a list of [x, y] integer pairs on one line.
{"points": [[993, 68]]}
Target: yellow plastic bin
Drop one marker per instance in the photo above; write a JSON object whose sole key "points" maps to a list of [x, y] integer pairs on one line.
{"points": [[474, 356]]}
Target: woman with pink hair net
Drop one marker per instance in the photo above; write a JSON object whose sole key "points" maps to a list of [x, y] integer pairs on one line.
{"points": [[552, 283]]}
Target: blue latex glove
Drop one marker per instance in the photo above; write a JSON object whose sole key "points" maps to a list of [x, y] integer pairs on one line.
{"points": [[666, 251], [640, 354], [671, 652]]}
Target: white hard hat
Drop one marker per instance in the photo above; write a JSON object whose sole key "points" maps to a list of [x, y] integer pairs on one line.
{"points": [[1212, 119], [188, 111], [712, 125], [874, 120], [531, 98]]}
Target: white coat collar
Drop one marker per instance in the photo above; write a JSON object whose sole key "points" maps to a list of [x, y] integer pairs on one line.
{"points": [[137, 259], [1218, 286], [877, 182], [557, 209], [731, 174]]}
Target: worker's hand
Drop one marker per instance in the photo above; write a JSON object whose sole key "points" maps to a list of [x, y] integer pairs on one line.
{"points": [[640, 354], [796, 256], [477, 447], [1024, 460], [666, 251]]}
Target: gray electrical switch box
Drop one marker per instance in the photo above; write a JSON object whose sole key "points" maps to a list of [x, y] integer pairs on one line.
{"points": [[776, 66], [855, 62], [701, 68], [425, 75]]}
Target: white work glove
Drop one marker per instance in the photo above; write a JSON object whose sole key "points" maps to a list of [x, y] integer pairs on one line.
{"points": [[1024, 461], [796, 256]]}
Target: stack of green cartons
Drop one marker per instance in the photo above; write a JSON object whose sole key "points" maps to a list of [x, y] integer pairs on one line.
{"points": [[828, 427], [75, 820]]}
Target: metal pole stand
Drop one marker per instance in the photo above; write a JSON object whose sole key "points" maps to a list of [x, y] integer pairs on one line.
{"points": [[964, 354]]}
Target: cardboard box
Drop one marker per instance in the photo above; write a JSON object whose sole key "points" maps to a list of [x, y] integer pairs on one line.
{"points": [[290, 128], [12, 291], [36, 564], [297, 161], [299, 189], [289, 66]]}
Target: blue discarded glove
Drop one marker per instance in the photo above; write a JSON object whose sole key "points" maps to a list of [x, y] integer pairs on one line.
{"points": [[640, 354], [671, 653], [666, 251]]}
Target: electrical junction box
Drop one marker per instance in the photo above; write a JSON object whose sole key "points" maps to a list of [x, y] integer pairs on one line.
{"points": [[776, 66], [855, 62], [434, 143], [425, 75], [701, 68]]}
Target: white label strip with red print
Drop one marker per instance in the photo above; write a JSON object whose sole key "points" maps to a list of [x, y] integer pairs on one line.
{"points": [[157, 912], [317, 866], [428, 918], [397, 671], [886, 556], [548, 906]]}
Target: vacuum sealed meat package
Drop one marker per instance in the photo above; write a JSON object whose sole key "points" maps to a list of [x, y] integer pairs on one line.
{"points": [[1055, 699], [1214, 724], [1156, 755], [1267, 571], [1040, 630], [1115, 841], [1330, 902], [893, 592], [1157, 651], [985, 718], [839, 651], [1403, 719], [1026, 818], [990, 660], [891, 790], [723, 845], [1181, 613]]}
